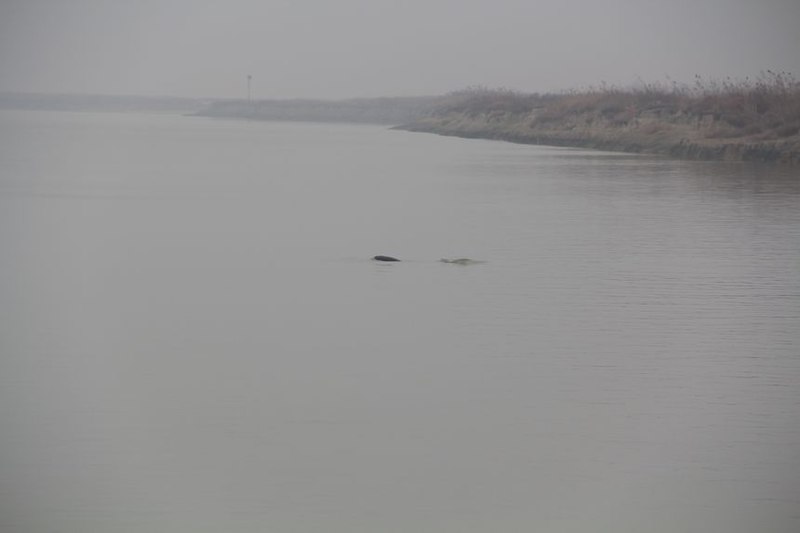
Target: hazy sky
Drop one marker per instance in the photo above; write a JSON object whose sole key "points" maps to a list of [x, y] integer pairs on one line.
{"points": [[343, 48]]}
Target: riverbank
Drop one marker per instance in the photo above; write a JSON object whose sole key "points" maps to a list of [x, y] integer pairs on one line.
{"points": [[100, 103], [385, 111], [742, 121]]}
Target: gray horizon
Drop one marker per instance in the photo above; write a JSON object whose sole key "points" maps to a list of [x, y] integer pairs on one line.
{"points": [[356, 48]]}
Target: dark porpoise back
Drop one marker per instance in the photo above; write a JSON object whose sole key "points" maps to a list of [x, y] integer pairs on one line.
{"points": [[384, 258]]}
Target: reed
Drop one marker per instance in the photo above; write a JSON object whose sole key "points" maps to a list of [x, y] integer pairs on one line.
{"points": [[767, 107]]}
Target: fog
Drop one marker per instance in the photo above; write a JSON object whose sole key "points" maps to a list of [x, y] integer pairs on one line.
{"points": [[194, 337], [353, 48]]}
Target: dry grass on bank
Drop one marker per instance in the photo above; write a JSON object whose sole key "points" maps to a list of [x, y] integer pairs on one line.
{"points": [[764, 109]]}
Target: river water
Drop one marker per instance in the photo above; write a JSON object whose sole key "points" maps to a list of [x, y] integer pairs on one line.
{"points": [[194, 337]]}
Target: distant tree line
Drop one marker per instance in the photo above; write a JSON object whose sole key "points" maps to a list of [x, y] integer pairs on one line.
{"points": [[388, 110]]}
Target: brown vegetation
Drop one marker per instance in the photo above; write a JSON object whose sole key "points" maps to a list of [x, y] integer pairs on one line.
{"points": [[755, 119]]}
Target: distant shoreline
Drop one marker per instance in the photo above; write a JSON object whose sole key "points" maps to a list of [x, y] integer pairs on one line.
{"points": [[387, 111], [744, 122], [99, 102], [784, 152], [731, 121]]}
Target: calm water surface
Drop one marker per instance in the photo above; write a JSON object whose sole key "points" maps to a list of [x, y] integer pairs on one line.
{"points": [[193, 338]]}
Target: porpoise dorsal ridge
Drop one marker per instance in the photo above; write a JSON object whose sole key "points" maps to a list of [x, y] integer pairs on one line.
{"points": [[460, 261]]}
